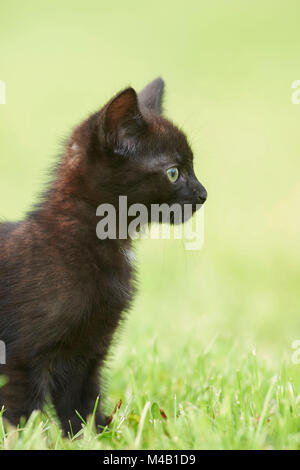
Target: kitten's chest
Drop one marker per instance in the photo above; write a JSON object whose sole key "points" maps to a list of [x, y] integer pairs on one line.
{"points": [[114, 287], [107, 290]]}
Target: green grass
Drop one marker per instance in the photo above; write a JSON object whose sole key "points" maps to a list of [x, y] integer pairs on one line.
{"points": [[210, 403], [187, 346], [197, 364]]}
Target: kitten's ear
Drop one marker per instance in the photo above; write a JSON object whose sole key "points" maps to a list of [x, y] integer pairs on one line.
{"points": [[151, 95], [122, 118]]}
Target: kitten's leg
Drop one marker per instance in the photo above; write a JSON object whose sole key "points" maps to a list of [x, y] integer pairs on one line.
{"points": [[77, 389], [23, 393]]}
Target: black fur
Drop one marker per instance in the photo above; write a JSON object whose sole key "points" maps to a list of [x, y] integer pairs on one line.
{"points": [[62, 290]]}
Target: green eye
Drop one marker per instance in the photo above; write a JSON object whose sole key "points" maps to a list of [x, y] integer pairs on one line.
{"points": [[173, 174]]}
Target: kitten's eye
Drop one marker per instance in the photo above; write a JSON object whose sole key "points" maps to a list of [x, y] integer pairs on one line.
{"points": [[173, 174]]}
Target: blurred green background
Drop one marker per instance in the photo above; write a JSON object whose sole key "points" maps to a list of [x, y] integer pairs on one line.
{"points": [[228, 68]]}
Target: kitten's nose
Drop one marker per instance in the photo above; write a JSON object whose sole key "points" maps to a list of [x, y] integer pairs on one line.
{"points": [[201, 194]]}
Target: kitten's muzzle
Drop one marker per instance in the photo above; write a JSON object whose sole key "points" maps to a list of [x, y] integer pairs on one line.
{"points": [[200, 194]]}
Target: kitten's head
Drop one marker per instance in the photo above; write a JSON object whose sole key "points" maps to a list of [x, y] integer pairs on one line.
{"points": [[135, 152]]}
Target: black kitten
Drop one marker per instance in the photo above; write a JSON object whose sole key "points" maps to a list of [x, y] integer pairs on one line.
{"points": [[62, 290]]}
